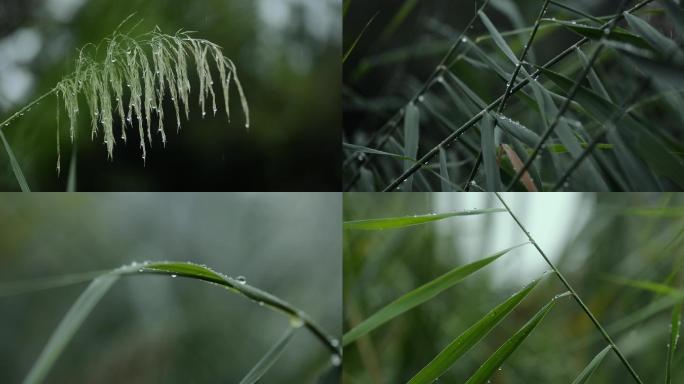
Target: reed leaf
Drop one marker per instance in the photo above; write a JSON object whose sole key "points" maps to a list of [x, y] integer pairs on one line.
{"points": [[407, 221], [419, 295]]}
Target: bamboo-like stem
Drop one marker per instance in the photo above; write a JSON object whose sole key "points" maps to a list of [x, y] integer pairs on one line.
{"points": [[566, 104], [567, 285], [470, 123], [509, 86]]}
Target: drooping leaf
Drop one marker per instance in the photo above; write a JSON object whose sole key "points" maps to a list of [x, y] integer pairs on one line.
{"points": [[418, 296]]}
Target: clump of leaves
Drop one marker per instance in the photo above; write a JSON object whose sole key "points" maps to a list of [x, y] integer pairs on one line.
{"points": [[603, 114]]}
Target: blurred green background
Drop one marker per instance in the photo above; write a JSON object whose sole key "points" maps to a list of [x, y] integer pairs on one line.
{"points": [[287, 55], [153, 329], [592, 238]]}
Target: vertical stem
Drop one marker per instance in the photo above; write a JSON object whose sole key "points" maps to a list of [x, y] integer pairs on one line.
{"points": [[574, 294]]}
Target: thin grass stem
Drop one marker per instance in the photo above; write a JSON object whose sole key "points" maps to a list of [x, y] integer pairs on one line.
{"points": [[567, 285]]}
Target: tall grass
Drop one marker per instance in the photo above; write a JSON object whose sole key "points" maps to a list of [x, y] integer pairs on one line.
{"points": [[561, 125], [392, 325]]}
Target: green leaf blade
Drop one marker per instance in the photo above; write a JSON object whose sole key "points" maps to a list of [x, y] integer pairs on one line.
{"points": [[419, 296], [589, 370], [486, 370], [18, 174], [266, 362], [68, 326], [459, 346], [407, 221]]}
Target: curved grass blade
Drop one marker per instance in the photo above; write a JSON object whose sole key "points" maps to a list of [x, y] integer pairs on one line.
{"points": [[201, 272], [68, 326], [418, 296], [486, 370], [98, 287], [18, 174], [356, 41], [255, 374], [466, 340], [407, 221], [586, 373], [674, 339]]}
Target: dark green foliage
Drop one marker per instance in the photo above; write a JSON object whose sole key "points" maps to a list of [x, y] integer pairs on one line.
{"points": [[607, 89]]}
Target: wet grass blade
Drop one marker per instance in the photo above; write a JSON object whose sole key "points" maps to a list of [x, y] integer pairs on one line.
{"points": [[100, 285], [419, 296], [466, 340], [586, 373], [674, 339], [444, 171], [486, 370], [18, 174], [68, 326], [492, 174], [255, 374], [407, 221], [517, 130]]}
